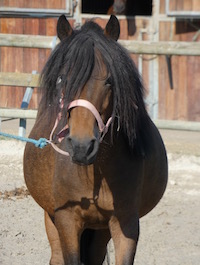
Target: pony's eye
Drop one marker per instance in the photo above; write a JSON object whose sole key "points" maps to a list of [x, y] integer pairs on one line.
{"points": [[108, 81], [59, 80]]}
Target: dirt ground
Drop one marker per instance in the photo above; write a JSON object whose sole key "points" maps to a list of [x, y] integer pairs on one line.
{"points": [[170, 234]]}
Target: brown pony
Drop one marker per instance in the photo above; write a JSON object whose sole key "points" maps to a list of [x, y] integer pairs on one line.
{"points": [[113, 169]]}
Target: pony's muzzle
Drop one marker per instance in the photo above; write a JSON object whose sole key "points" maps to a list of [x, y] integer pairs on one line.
{"points": [[82, 151]]}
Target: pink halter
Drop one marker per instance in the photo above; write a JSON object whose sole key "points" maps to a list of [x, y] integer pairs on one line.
{"points": [[103, 128]]}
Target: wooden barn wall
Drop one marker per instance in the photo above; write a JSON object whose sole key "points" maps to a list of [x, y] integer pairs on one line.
{"points": [[25, 59], [181, 102], [182, 5], [22, 59]]}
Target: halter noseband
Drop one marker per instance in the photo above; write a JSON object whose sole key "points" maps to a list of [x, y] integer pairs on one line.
{"points": [[103, 128]]}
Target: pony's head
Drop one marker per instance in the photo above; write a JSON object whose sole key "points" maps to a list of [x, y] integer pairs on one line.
{"points": [[95, 83]]}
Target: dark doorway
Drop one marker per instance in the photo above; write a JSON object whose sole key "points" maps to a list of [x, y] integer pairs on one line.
{"points": [[133, 7]]}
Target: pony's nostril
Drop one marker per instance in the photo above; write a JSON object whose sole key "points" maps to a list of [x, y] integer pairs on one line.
{"points": [[70, 145], [90, 147], [69, 141]]}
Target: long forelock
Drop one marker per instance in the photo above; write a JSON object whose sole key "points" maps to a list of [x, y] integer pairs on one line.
{"points": [[128, 90]]}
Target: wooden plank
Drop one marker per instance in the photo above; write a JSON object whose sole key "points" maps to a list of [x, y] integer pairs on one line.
{"points": [[184, 9], [193, 88], [42, 52], [18, 113], [15, 101], [11, 61], [172, 5], [178, 125], [187, 5], [26, 41], [162, 7], [31, 63], [179, 5], [19, 79], [162, 47], [162, 88], [195, 5], [139, 47], [35, 4]]}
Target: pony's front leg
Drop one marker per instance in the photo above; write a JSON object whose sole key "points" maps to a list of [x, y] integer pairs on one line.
{"points": [[69, 233], [125, 235], [54, 241]]}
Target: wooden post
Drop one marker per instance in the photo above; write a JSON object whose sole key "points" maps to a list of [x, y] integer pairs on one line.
{"points": [[152, 99]]}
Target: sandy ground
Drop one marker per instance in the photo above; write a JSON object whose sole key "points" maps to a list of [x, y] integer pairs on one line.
{"points": [[170, 234]]}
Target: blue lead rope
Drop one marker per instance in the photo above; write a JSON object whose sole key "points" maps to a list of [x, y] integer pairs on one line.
{"points": [[42, 142]]}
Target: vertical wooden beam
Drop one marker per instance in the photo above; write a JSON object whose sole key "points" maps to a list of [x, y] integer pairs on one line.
{"points": [[77, 12], [152, 98]]}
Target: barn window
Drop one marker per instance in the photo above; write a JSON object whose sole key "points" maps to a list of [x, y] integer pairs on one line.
{"points": [[133, 7]]}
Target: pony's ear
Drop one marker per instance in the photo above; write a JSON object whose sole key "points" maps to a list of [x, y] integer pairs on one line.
{"points": [[112, 28], [64, 29]]}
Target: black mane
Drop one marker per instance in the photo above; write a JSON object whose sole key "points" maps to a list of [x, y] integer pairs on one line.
{"points": [[76, 55]]}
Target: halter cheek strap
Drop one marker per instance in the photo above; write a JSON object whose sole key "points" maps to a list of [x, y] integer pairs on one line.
{"points": [[103, 128]]}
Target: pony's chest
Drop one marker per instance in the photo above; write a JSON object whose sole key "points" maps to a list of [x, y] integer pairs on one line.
{"points": [[96, 210], [103, 197]]}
